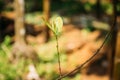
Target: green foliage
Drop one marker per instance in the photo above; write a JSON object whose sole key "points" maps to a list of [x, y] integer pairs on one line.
{"points": [[7, 41], [8, 70], [107, 8], [88, 7], [4, 62]]}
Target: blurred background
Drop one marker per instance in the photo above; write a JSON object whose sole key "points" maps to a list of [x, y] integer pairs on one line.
{"points": [[28, 47]]}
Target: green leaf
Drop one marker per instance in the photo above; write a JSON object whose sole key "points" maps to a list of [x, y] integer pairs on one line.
{"points": [[55, 25], [58, 24]]}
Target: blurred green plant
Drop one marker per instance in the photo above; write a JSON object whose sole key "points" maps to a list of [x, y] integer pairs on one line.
{"points": [[107, 8], [16, 70], [88, 7], [4, 62]]}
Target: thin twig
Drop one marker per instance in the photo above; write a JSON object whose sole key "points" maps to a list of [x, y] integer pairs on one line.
{"points": [[57, 46], [98, 50], [79, 67]]}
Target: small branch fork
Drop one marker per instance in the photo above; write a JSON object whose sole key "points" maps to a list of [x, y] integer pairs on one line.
{"points": [[60, 71], [98, 50]]}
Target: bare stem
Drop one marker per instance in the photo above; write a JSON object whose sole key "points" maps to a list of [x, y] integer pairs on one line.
{"points": [[57, 46]]}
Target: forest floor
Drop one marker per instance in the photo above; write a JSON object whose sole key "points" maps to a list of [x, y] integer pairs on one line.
{"points": [[79, 45]]}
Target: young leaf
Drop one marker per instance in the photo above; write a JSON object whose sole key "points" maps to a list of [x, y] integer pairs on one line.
{"points": [[55, 25], [58, 24]]}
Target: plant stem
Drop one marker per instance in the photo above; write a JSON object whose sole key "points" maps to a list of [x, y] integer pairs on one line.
{"points": [[57, 46]]}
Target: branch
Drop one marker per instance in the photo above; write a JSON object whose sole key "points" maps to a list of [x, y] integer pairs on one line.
{"points": [[98, 50], [79, 67]]}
